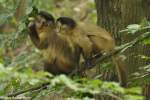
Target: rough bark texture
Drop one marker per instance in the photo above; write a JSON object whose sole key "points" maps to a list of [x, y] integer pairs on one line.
{"points": [[115, 15], [20, 11]]}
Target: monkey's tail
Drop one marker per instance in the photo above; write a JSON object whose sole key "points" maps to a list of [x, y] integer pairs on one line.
{"points": [[121, 70]]}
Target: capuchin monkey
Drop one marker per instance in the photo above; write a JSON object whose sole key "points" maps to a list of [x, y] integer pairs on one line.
{"points": [[61, 54], [39, 29], [102, 41]]}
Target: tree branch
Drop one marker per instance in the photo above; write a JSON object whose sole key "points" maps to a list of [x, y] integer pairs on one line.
{"points": [[43, 86]]}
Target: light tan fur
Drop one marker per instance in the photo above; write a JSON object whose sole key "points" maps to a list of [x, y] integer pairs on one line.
{"points": [[104, 43], [93, 40]]}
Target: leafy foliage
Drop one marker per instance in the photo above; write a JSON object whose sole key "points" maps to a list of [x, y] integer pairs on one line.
{"points": [[18, 57], [141, 77], [14, 80]]}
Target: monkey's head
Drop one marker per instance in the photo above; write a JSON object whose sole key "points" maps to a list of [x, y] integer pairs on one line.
{"points": [[65, 25], [42, 21]]}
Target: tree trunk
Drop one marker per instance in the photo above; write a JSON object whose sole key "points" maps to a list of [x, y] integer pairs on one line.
{"points": [[21, 8], [115, 15]]}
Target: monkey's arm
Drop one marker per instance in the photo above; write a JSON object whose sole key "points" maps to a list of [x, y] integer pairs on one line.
{"points": [[86, 45], [37, 41]]}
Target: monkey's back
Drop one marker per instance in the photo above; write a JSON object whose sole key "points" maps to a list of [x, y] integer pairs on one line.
{"points": [[101, 39]]}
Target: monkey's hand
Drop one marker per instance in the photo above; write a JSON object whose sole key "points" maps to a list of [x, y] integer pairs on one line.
{"points": [[32, 31], [88, 64]]}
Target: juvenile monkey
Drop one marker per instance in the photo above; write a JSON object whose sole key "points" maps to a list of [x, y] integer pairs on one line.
{"points": [[102, 41], [68, 30]]}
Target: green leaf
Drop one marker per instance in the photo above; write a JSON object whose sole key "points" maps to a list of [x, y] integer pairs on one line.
{"points": [[145, 23], [113, 87], [34, 81], [133, 28], [146, 41], [134, 90], [5, 18], [133, 97]]}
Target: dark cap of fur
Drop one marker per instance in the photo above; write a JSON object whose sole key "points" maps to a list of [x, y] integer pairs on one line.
{"points": [[67, 21], [47, 16]]}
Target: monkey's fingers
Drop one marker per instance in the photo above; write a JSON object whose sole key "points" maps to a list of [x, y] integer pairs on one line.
{"points": [[88, 64]]}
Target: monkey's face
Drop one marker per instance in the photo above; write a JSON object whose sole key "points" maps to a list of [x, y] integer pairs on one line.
{"points": [[65, 25], [43, 22], [40, 22], [62, 28]]}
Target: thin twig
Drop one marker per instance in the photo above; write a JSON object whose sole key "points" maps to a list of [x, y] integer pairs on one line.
{"points": [[146, 75], [43, 86]]}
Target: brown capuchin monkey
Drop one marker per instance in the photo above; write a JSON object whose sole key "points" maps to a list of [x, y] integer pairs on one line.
{"points": [[61, 55], [102, 41]]}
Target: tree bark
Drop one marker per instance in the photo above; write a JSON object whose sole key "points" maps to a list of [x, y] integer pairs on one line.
{"points": [[115, 15]]}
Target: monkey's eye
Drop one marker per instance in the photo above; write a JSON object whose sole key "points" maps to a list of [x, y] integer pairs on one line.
{"points": [[39, 21]]}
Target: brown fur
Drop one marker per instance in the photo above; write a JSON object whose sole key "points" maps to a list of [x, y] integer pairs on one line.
{"points": [[104, 43], [58, 55], [94, 40]]}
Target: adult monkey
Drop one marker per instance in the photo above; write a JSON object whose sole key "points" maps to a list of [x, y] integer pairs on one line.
{"points": [[38, 28], [102, 41], [60, 54]]}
